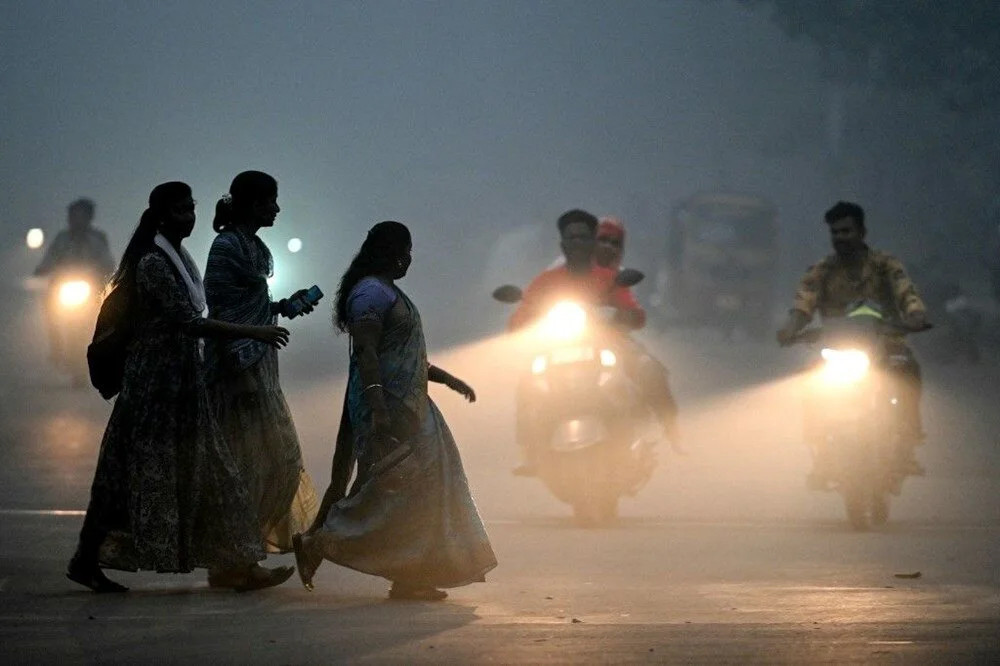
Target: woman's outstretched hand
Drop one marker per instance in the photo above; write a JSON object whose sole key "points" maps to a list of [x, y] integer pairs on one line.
{"points": [[458, 386], [275, 336]]}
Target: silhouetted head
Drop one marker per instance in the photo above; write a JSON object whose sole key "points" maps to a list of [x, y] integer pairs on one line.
{"points": [[170, 212], [80, 214], [610, 243], [847, 228], [577, 232], [252, 201], [172, 208], [386, 252]]}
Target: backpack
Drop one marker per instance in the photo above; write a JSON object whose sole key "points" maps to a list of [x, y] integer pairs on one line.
{"points": [[107, 351]]}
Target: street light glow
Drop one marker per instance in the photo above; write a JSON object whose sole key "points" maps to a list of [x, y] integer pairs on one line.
{"points": [[35, 238]]}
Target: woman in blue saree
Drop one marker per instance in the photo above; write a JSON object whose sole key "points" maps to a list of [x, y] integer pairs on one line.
{"points": [[409, 516], [250, 406]]}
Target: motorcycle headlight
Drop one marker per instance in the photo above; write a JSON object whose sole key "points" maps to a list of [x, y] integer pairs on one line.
{"points": [[844, 366], [564, 321], [539, 365], [74, 293]]}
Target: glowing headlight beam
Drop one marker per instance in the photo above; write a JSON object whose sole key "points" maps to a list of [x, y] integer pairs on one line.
{"points": [[74, 293], [845, 366], [564, 321], [539, 365]]}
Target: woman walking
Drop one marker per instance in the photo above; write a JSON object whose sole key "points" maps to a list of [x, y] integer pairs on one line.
{"points": [[167, 495], [253, 415], [409, 517]]}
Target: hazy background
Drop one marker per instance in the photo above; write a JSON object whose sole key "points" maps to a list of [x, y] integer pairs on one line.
{"points": [[466, 120], [478, 123]]}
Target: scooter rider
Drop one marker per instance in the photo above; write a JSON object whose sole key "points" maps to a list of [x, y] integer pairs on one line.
{"points": [[80, 248], [610, 247], [856, 272], [582, 278]]}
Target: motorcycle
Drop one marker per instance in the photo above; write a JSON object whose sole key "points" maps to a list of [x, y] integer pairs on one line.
{"points": [[581, 420], [854, 414], [73, 304]]}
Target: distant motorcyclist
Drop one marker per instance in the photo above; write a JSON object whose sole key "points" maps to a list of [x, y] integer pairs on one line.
{"points": [[79, 251], [856, 272], [580, 277]]}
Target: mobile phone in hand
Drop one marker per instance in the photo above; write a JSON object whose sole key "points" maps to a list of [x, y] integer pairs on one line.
{"points": [[311, 297]]}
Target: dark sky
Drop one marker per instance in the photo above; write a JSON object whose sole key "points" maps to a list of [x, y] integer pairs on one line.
{"points": [[463, 119]]}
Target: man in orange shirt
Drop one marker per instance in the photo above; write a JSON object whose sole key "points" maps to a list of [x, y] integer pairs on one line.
{"points": [[578, 278], [582, 279]]}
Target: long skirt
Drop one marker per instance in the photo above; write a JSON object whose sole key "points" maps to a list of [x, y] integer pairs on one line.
{"points": [[410, 517], [167, 495], [257, 424]]}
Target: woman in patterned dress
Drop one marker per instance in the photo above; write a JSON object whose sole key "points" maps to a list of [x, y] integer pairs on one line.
{"points": [[167, 495]]}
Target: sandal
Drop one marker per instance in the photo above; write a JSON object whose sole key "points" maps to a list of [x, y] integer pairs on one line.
{"points": [[259, 578], [307, 565], [405, 592], [226, 578], [93, 578]]}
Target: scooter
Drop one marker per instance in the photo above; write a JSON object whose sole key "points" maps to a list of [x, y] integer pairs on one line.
{"points": [[581, 421], [74, 300]]}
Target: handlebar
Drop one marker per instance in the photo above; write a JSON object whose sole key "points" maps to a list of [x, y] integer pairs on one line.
{"points": [[811, 335]]}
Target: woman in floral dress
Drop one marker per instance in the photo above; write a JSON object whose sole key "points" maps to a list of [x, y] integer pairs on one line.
{"points": [[167, 495]]}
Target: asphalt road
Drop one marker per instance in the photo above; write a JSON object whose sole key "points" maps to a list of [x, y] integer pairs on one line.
{"points": [[723, 558]]}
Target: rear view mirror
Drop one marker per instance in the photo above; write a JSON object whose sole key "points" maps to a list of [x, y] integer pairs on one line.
{"points": [[629, 277], [507, 294]]}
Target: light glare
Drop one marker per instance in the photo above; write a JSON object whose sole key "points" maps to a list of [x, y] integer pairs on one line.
{"points": [[538, 365], [294, 245], [74, 293], [844, 366], [564, 321], [35, 238]]}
